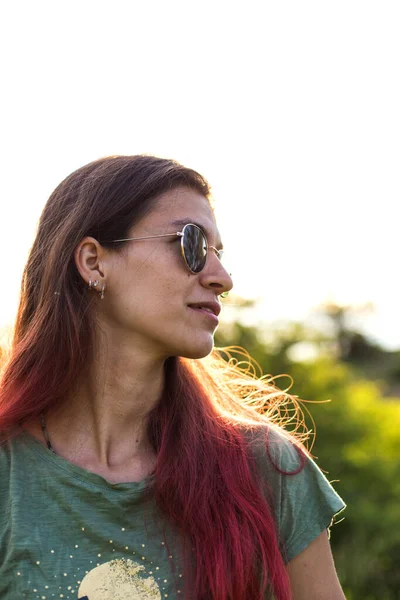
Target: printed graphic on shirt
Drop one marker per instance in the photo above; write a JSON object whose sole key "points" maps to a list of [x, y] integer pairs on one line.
{"points": [[119, 579]]}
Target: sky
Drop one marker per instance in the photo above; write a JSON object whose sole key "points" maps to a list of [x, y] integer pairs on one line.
{"points": [[290, 109]]}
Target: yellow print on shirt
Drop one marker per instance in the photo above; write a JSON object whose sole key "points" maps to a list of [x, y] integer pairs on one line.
{"points": [[119, 579]]}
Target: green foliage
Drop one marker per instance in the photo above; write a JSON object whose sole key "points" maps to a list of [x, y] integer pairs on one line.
{"points": [[357, 445]]}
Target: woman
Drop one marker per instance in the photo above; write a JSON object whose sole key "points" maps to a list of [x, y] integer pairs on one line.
{"points": [[129, 468]]}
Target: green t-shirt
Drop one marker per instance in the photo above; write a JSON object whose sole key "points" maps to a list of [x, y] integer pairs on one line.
{"points": [[68, 533]]}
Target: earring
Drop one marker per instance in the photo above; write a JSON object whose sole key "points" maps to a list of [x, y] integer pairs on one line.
{"points": [[103, 289], [95, 284], [90, 284]]}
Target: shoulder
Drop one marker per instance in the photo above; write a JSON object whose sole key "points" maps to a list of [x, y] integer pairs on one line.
{"points": [[9, 453], [5, 479], [5, 458], [275, 451], [304, 502], [13, 458]]}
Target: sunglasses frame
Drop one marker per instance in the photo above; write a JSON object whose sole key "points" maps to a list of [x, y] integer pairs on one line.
{"points": [[219, 253], [180, 234]]}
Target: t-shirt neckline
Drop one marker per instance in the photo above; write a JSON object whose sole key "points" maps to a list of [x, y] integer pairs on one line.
{"points": [[77, 472]]}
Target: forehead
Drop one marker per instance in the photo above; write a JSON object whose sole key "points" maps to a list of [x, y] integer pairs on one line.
{"points": [[180, 206]]}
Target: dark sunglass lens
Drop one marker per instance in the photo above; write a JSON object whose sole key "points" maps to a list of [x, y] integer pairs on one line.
{"points": [[194, 248]]}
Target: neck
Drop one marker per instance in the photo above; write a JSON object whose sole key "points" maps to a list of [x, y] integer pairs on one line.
{"points": [[103, 422]]}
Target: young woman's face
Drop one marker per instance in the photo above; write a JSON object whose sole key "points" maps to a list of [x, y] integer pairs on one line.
{"points": [[150, 291]]}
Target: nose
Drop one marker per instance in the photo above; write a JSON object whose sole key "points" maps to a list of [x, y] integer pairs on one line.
{"points": [[214, 276]]}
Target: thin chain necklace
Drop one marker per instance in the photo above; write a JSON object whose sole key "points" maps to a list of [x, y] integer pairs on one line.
{"points": [[45, 434]]}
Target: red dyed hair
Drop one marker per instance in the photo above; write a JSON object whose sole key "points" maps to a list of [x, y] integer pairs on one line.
{"points": [[198, 426]]}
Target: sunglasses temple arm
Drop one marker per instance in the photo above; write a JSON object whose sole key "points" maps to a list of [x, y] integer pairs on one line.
{"points": [[147, 237]]}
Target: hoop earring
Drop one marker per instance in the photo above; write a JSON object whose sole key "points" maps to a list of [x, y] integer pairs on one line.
{"points": [[90, 284]]}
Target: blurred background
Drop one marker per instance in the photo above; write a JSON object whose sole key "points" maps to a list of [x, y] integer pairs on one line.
{"points": [[291, 110]]}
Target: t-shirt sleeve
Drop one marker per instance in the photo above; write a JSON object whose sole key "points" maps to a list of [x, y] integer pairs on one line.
{"points": [[304, 503]]}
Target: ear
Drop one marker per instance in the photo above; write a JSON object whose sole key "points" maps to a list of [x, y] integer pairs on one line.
{"points": [[90, 260]]}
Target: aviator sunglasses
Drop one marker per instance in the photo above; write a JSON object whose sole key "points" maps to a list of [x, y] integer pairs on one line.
{"points": [[194, 247]]}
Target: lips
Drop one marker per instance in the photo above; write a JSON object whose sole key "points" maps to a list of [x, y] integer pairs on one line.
{"points": [[212, 307]]}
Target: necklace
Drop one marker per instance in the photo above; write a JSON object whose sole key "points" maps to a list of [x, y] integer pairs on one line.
{"points": [[44, 430]]}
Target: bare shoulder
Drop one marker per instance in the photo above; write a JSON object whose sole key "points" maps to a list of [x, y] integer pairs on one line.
{"points": [[312, 573]]}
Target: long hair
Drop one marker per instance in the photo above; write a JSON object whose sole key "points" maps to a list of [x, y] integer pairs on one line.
{"points": [[197, 428]]}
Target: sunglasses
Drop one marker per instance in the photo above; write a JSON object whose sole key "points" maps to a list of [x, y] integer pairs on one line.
{"points": [[194, 247]]}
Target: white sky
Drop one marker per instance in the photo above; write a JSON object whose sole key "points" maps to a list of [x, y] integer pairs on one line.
{"points": [[290, 109]]}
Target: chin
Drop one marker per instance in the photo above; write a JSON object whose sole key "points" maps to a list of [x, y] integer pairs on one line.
{"points": [[193, 351], [198, 354]]}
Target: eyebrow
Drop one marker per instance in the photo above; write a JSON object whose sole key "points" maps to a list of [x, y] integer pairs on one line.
{"points": [[183, 222]]}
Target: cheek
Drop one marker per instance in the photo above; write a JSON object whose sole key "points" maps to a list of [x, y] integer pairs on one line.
{"points": [[151, 290], [152, 297]]}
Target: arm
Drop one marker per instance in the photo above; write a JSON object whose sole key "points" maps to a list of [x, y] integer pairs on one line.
{"points": [[312, 573]]}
